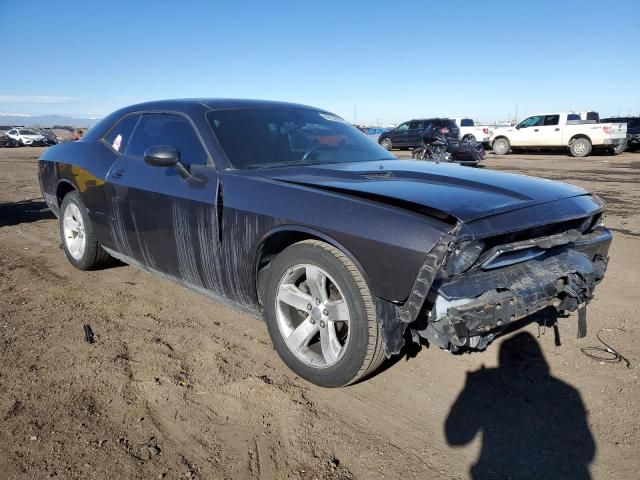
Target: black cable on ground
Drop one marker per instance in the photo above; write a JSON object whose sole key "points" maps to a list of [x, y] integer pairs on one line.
{"points": [[607, 354]]}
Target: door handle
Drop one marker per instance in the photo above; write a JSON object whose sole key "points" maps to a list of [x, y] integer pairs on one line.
{"points": [[557, 130], [536, 130], [117, 173]]}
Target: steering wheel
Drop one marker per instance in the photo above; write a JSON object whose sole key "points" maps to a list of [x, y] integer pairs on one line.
{"points": [[314, 148]]}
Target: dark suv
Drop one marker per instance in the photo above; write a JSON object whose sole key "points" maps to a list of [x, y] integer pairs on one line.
{"points": [[409, 134], [633, 129]]}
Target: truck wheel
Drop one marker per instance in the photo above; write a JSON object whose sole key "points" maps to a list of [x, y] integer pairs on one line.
{"points": [[386, 143], [580, 147], [469, 138], [501, 146]]}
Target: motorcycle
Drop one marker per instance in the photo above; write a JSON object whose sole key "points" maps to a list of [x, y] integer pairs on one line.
{"points": [[436, 147]]}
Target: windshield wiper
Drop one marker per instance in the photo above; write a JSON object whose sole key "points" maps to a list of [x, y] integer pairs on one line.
{"points": [[256, 166]]}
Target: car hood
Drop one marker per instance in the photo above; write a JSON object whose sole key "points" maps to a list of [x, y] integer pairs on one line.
{"points": [[498, 130], [461, 192]]}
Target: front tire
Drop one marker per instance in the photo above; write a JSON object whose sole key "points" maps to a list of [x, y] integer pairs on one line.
{"points": [[580, 147], [386, 143], [501, 146], [77, 236], [321, 316]]}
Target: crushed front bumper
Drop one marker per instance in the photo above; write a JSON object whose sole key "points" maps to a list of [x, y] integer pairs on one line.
{"points": [[478, 305]]}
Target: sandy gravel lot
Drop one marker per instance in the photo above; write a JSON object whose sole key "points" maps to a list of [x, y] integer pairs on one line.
{"points": [[177, 386]]}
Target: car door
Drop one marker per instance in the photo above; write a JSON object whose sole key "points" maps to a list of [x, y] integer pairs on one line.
{"points": [[399, 135], [414, 133], [165, 221], [549, 134], [526, 133]]}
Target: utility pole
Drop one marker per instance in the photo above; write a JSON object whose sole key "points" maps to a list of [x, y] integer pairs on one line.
{"points": [[516, 113]]}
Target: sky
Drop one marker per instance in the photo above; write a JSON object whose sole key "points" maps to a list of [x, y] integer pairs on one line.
{"points": [[367, 61]]}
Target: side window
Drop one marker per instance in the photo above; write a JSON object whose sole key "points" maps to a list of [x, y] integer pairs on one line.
{"points": [[120, 133], [551, 119], [572, 117], [404, 127], [415, 125], [166, 129], [535, 121]]}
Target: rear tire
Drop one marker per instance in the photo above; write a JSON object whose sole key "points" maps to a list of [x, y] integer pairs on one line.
{"points": [[469, 138], [580, 147], [297, 321], [618, 149], [386, 143], [501, 146], [77, 235]]}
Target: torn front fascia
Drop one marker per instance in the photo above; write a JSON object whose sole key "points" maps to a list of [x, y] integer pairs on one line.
{"points": [[564, 277], [393, 319]]}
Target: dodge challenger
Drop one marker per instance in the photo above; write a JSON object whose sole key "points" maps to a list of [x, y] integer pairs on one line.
{"points": [[290, 214]]}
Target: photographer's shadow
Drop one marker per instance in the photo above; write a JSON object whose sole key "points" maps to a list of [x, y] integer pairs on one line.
{"points": [[533, 425]]}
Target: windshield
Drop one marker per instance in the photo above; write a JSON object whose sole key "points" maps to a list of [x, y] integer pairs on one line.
{"points": [[272, 137], [28, 132]]}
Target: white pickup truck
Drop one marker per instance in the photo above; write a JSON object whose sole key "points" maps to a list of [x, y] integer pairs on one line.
{"points": [[557, 130], [470, 131]]}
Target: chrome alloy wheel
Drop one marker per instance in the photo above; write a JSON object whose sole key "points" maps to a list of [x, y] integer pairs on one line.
{"points": [[313, 316], [73, 229]]}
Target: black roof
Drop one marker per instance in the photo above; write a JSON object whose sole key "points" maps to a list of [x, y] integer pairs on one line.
{"points": [[191, 106], [214, 103], [430, 119]]}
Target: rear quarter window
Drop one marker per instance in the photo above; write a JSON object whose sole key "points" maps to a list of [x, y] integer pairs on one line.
{"points": [[120, 134], [467, 122]]}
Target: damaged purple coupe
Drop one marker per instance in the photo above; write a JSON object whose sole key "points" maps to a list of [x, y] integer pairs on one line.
{"points": [[289, 213]]}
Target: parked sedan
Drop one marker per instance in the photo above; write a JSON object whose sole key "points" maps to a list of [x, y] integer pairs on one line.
{"points": [[341, 247], [6, 140], [26, 137]]}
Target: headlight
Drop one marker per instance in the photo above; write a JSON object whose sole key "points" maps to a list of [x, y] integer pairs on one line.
{"points": [[463, 257]]}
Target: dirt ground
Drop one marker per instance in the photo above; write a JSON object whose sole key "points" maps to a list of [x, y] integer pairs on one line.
{"points": [[178, 386]]}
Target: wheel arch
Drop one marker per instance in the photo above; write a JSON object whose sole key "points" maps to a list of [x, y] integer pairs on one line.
{"points": [[62, 189], [283, 236], [499, 137], [580, 135]]}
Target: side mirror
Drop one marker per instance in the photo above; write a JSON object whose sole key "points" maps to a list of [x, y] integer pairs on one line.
{"points": [[166, 156], [518, 127], [162, 156]]}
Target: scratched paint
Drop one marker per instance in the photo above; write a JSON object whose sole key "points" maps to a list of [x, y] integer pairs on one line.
{"points": [[210, 253], [147, 257], [117, 225], [187, 262]]}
